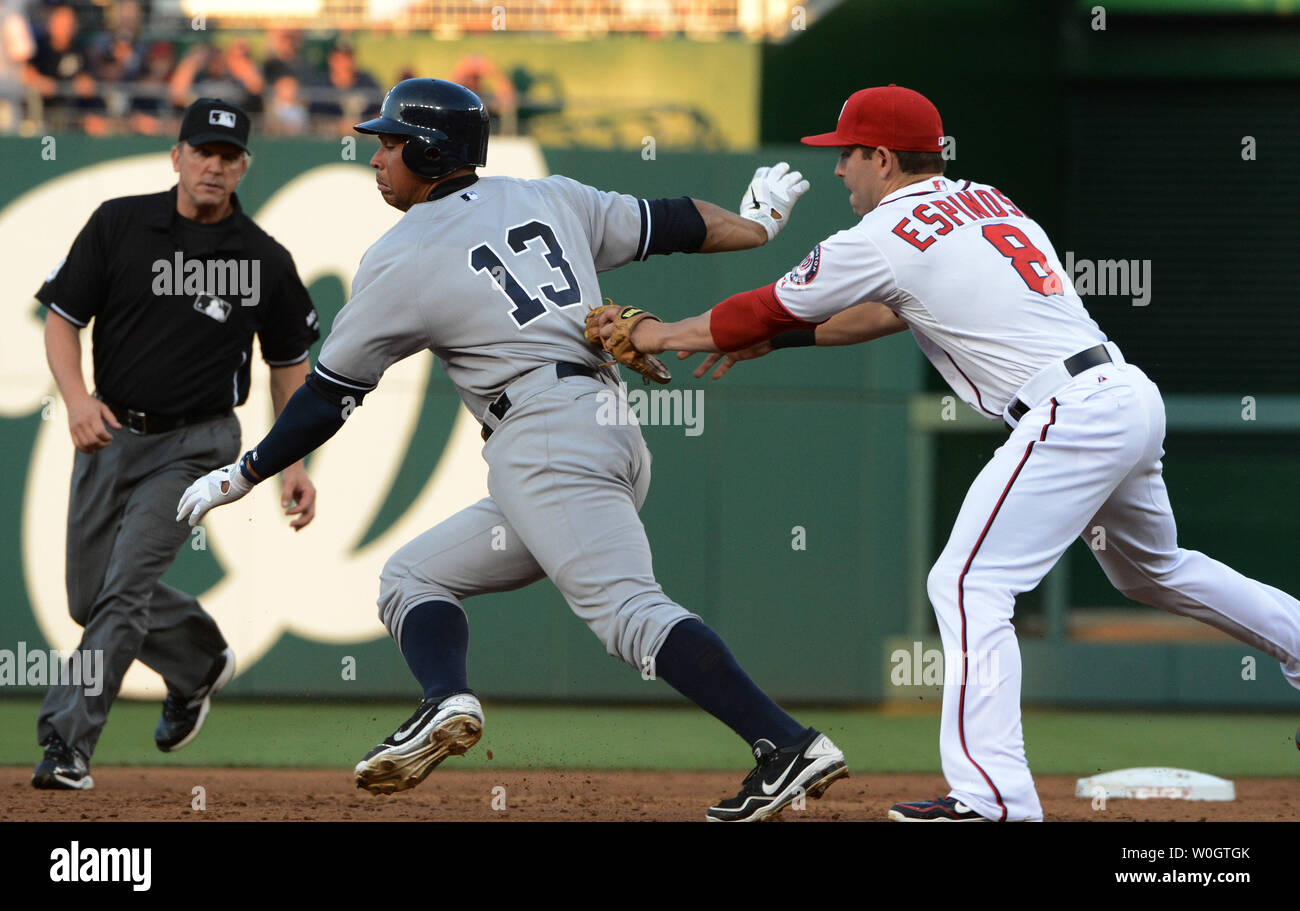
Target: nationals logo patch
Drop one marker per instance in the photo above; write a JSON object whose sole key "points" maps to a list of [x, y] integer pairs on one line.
{"points": [[806, 271]]}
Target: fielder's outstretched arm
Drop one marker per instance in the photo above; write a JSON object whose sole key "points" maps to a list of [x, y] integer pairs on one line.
{"points": [[739, 322], [861, 323], [837, 276]]}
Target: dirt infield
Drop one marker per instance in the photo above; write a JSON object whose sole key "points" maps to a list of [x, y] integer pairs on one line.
{"points": [[448, 795]]}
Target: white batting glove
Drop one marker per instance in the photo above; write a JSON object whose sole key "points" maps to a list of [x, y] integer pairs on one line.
{"points": [[216, 488], [771, 195]]}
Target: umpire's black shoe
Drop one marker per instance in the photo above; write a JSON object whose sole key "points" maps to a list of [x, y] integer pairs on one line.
{"points": [[183, 716], [782, 776], [437, 730], [62, 769]]}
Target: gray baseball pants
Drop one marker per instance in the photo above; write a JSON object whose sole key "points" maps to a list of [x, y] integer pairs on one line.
{"points": [[564, 485], [122, 537]]}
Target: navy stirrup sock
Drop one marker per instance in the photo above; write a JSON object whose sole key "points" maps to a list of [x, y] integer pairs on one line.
{"points": [[435, 638], [697, 663]]}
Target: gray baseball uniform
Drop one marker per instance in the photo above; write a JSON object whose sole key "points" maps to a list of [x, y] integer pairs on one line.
{"points": [[496, 279]]}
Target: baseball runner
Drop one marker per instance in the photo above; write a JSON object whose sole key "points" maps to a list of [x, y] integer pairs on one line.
{"points": [[171, 361], [496, 276], [983, 292]]}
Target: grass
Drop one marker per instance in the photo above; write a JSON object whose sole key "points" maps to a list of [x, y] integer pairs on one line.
{"points": [[332, 735]]}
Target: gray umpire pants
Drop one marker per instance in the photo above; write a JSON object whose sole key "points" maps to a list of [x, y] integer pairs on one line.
{"points": [[122, 537]]}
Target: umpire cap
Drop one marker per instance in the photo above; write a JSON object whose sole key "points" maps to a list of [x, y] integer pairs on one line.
{"points": [[446, 126], [214, 120]]}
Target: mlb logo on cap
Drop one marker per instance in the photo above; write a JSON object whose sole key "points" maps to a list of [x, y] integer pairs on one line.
{"points": [[214, 120]]}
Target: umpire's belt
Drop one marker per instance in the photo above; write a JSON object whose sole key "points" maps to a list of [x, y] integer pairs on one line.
{"points": [[142, 423], [1049, 380], [529, 382]]}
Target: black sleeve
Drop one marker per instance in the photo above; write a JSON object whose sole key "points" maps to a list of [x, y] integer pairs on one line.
{"points": [[675, 226], [75, 289], [309, 419], [291, 325]]}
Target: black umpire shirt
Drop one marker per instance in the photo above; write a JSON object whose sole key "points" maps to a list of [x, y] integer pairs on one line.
{"points": [[176, 304]]}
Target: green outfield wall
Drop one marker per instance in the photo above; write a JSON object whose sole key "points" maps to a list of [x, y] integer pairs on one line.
{"points": [[789, 521]]}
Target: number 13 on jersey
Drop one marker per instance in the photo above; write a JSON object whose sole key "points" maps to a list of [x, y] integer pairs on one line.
{"points": [[522, 239]]}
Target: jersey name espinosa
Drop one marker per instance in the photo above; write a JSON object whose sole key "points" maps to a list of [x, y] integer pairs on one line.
{"points": [[948, 212]]}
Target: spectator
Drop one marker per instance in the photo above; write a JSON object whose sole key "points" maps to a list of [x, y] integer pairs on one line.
{"points": [[149, 111], [287, 115], [489, 82], [117, 55], [211, 72], [58, 59], [125, 17], [16, 48], [239, 62], [347, 94], [285, 57], [88, 104], [116, 59]]}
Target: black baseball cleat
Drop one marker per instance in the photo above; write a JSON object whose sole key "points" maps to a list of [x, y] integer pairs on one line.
{"points": [[183, 716], [945, 809], [436, 730], [782, 776], [62, 769]]}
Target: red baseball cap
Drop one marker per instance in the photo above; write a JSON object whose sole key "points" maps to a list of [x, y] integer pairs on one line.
{"points": [[887, 116]]}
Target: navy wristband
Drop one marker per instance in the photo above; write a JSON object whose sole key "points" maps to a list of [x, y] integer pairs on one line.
{"points": [[243, 461], [795, 338]]}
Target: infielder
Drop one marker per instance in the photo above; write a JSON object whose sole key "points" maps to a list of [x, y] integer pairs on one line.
{"points": [[496, 277], [981, 288]]}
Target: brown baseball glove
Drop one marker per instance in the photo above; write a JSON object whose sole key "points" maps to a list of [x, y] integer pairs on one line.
{"points": [[619, 343]]}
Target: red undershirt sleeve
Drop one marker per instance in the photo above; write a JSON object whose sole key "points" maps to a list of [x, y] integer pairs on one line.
{"points": [[750, 317]]}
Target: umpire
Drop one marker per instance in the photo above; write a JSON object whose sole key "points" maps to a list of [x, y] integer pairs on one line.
{"points": [[177, 284]]}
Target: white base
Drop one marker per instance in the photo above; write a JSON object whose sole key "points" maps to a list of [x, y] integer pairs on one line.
{"points": [[1156, 783]]}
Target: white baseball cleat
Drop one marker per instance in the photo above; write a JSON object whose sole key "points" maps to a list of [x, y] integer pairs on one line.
{"points": [[409, 754], [782, 776]]}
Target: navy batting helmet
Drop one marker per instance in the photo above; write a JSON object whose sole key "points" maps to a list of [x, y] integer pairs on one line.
{"points": [[446, 126]]}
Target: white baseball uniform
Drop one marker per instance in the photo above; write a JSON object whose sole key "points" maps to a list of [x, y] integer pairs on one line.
{"points": [[984, 293]]}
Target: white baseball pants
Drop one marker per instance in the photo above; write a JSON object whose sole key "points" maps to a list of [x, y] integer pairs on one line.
{"points": [[1086, 456]]}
